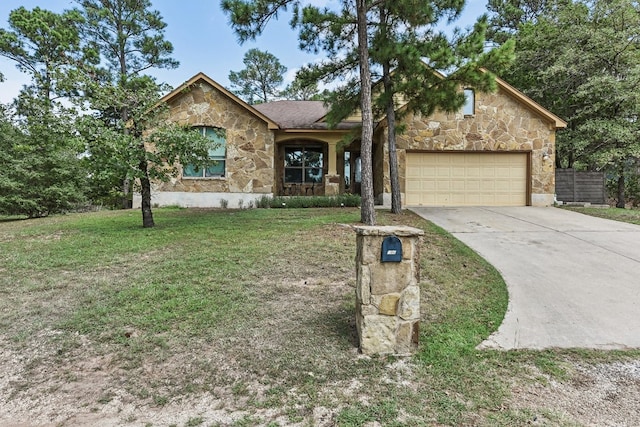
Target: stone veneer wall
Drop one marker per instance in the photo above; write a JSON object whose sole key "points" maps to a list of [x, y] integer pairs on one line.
{"points": [[250, 148], [387, 294], [500, 123]]}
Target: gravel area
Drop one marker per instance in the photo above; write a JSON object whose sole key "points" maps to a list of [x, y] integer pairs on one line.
{"points": [[87, 392], [600, 395]]}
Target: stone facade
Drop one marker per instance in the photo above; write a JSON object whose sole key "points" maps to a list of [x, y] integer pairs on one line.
{"points": [[501, 123], [505, 121], [387, 293], [250, 152], [332, 185]]}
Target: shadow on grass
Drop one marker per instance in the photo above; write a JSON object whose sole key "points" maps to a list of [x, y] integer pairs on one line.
{"points": [[14, 219], [341, 323]]}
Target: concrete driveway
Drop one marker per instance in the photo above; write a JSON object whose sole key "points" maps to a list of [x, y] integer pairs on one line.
{"points": [[573, 280]]}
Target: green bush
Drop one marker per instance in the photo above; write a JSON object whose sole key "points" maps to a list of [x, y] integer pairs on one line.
{"points": [[631, 183], [343, 200]]}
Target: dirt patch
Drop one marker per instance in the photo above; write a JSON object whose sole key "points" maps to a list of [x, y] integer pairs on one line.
{"points": [[87, 389], [208, 383], [600, 395]]}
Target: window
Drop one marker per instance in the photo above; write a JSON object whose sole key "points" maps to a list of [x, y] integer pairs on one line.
{"points": [[469, 108], [217, 153], [303, 165]]}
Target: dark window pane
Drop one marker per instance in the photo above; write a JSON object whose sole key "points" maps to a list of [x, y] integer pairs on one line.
{"points": [[215, 170], [192, 171], [293, 175], [313, 158], [292, 157], [313, 175]]}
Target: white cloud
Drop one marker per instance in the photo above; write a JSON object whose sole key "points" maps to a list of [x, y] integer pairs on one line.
{"points": [[290, 75]]}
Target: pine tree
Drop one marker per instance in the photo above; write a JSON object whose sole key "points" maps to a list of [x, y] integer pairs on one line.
{"points": [[403, 42], [42, 171], [129, 37], [261, 78]]}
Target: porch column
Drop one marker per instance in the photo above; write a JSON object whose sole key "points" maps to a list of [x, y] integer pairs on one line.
{"points": [[332, 179], [333, 169]]}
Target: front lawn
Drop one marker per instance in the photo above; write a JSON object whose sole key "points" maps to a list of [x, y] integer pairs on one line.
{"points": [[242, 318], [626, 215]]}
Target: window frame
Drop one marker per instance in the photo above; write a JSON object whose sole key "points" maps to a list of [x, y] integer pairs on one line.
{"points": [[219, 159], [304, 167], [469, 106]]}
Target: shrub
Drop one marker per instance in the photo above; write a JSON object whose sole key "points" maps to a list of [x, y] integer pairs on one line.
{"points": [[343, 200]]}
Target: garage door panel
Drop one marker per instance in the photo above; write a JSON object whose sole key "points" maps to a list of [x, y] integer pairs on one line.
{"points": [[466, 179], [458, 172], [458, 185], [473, 186], [443, 186], [473, 172], [429, 186]]}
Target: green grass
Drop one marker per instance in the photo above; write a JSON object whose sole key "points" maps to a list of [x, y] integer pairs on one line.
{"points": [[256, 306], [617, 214]]}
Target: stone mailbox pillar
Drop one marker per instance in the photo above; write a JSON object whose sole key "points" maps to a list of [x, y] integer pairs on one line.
{"points": [[387, 293]]}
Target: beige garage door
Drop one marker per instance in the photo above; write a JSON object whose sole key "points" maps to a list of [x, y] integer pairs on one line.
{"points": [[466, 179]]}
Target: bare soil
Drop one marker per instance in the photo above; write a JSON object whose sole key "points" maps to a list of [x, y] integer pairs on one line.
{"points": [[601, 395], [87, 388]]}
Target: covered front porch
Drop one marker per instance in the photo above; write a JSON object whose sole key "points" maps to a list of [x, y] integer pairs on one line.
{"points": [[320, 165]]}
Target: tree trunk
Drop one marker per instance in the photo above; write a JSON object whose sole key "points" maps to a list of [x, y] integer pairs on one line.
{"points": [[124, 115], [570, 158], [396, 201], [367, 211], [145, 183], [621, 200], [126, 185]]}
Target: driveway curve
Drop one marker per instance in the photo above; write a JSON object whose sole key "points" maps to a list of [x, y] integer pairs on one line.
{"points": [[573, 279]]}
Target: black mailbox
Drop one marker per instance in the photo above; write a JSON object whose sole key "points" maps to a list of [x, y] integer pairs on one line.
{"points": [[391, 249]]}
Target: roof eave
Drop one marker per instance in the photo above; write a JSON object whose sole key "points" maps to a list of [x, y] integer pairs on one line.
{"points": [[201, 76], [557, 122]]}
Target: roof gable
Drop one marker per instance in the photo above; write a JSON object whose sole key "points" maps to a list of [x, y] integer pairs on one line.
{"points": [[531, 104], [312, 114], [520, 97], [201, 77]]}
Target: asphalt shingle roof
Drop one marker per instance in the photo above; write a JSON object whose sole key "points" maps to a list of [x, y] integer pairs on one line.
{"points": [[298, 114], [293, 114]]}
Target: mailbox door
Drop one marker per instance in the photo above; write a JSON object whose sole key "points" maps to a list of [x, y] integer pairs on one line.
{"points": [[391, 249]]}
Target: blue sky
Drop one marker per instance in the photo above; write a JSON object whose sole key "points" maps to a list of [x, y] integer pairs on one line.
{"points": [[202, 40]]}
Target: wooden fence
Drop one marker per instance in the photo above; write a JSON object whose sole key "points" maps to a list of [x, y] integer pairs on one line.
{"points": [[572, 186]]}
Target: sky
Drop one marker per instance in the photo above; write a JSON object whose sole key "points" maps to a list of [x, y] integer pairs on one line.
{"points": [[202, 39]]}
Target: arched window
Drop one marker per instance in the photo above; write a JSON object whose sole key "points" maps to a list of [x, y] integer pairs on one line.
{"points": [[217, 153]]}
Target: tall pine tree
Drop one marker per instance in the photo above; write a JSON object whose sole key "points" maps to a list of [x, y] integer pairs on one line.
{"points": [[129, 37], [404, 46], [43, 173]]}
